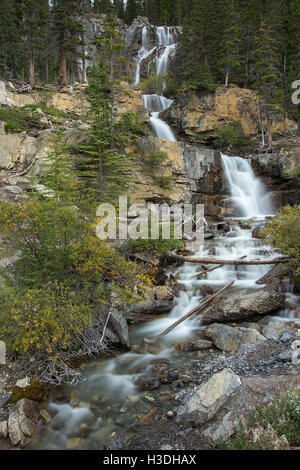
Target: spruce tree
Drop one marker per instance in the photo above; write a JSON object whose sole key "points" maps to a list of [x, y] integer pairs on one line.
{"points": [[67, 29], [35, 27]]}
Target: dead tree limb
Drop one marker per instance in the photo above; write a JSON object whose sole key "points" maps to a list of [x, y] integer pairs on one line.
{"points": [[207, 271], [189, 314], [233, 262]]}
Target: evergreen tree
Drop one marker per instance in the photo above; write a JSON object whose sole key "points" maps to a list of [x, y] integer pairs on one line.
{"points": [[36, 18], [232, 38], [11, 51], [67, 29], [267, 61]]}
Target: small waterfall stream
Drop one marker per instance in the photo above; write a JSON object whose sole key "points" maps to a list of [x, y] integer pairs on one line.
{"points": [[155, 104]]}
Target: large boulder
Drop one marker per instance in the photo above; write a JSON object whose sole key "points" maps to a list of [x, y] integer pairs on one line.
{"points": [[119, 325], [209, 398], [4, 99], [22, 422], [229, 338], [243, 304]]}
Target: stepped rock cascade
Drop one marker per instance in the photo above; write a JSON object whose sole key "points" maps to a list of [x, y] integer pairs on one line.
{"points": [[248, 192], [155, 104]]}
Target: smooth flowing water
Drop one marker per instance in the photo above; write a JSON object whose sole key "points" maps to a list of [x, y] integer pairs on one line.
{"points": [[112, 398], [155, 104]]}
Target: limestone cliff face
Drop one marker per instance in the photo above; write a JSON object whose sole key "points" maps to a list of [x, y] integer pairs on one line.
{"points": [[195, 113], [195, 174], [275, 170]]}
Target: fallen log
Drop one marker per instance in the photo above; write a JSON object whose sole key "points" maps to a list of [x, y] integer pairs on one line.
{"points": [[184, 259], [207, 271], [189, 314]]}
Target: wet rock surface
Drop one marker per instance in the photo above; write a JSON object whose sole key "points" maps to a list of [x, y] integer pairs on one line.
{"points": [[242, 305], [230, 339]]}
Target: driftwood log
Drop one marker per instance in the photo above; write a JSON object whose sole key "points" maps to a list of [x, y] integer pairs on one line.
{"points": [[189, 314], [185, 259]]}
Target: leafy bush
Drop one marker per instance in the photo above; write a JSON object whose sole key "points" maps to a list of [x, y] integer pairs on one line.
{"points": [[231, 136], [275, 426], [160, 246], [19, 120], [155, 84], [50, 110], [283, 232], [164, 182], [55, 291], [153, 160]]}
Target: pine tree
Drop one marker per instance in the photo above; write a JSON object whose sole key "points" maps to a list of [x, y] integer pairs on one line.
{"points": [[36, 18], [267, 61], [67, 29], [11, 51], [232, 38]]}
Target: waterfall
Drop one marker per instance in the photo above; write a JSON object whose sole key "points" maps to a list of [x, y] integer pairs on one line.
{"points": [[155, 104], [167, 45], [248, 192], [143, 53]]}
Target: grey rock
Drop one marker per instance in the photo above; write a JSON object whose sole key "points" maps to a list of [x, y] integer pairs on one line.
{"points": [[119, 325], [229, 338], [257, 232], [209, 398], [243, 304], [22, 422], [275, 329], [196, 345], [285, 356], [3, 429], [221, 430]]}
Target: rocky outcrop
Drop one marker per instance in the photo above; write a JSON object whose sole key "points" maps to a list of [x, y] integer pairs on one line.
{"points": [[209, 398], [195, 174], [119, 325], [275, 170], [22, 422], [243, 305], [196, 113], [230, 339]]}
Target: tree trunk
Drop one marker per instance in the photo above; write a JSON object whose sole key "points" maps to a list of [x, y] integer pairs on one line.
{"points": [[233, 262], [269, 131], [227, 77], [84, 74], [31, 69], [62, 64]]}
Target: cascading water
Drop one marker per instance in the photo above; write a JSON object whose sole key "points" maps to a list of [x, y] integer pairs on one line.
{"points": [[143, 54], [247, 192], [155, 104]]}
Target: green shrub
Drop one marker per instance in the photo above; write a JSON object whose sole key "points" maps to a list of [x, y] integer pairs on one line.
{"points": [[163, 247], [19, 119], [164, 182], [153, 160], [50, 110], [155, 84], [283, 233], [275, 426], [54, 292], [231, 136]]}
